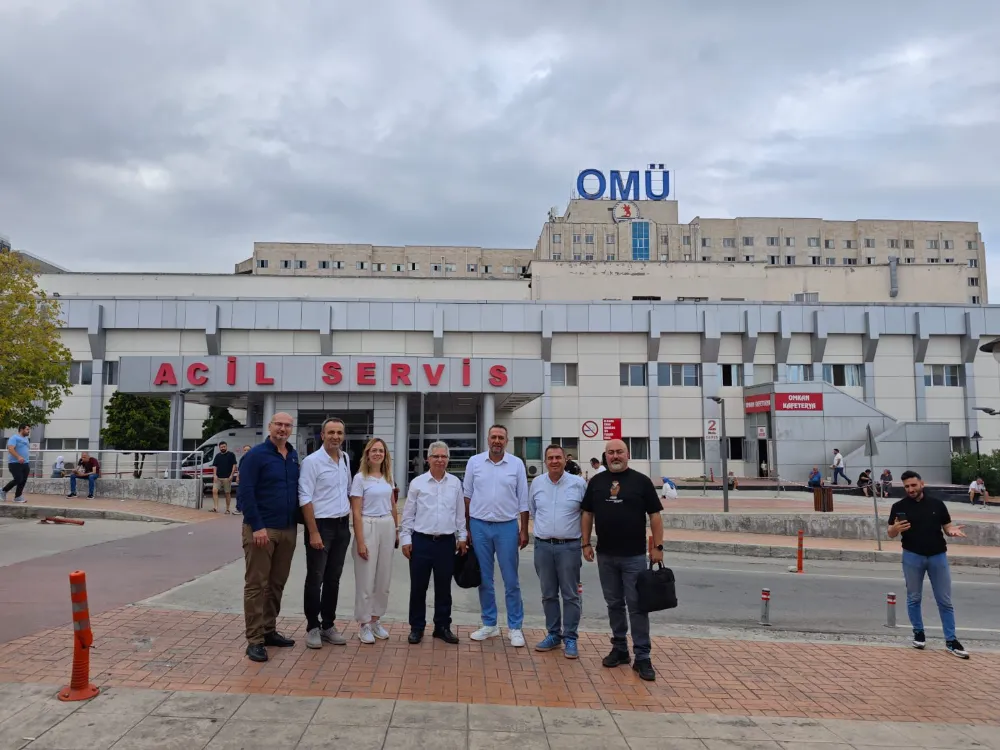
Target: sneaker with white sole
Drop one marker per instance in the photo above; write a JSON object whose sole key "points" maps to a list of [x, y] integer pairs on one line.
{"points": [[21, 499], [3, 494], [516, 638], [956, 648], [487, 631], [919, 639], [333, 636], [380, 632], [365, 634], [313, 639]]}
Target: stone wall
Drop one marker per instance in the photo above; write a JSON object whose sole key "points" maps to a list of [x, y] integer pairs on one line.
{"points": [[183, 492]]}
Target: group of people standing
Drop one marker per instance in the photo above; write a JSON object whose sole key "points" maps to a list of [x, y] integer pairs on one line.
{"points": [[443, 517]]}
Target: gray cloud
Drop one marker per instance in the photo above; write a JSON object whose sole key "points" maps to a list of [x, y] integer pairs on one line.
{"points": [[170, 136]]}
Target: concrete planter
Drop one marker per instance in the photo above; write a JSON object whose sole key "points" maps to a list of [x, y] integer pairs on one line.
{"points": [[183, 492]]}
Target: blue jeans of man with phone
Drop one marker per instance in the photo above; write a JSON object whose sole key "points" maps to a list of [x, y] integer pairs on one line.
{"points": [[936, 568]]}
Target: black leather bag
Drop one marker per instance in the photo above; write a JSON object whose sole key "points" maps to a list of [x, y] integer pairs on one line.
{"points": [[467, 573], [657, 589]]}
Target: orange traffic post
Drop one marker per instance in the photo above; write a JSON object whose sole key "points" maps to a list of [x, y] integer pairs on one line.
{"points": [[80, 687], [798, 558]]}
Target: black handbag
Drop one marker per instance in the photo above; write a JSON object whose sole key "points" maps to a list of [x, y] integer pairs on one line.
{"points": [[657, 589], [467, 573]]}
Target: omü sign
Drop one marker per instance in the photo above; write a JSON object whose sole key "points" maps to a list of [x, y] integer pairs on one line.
{"points": [[798, 402], [756, 404]]}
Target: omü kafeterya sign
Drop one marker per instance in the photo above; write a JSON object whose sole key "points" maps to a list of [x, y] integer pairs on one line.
{"points": [[311, 373]]}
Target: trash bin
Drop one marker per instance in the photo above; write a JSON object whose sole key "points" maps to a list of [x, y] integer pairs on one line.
{"points": [[823, 499], [818, 499]]}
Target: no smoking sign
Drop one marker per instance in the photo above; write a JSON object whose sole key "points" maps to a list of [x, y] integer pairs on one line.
{"points": [[590, 429]]}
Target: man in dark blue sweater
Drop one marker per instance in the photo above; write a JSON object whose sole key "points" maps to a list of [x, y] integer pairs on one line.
{"points": [[268, 496]]}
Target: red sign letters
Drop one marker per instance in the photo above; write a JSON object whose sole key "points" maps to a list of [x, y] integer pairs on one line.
{"points": [[756, 404]]}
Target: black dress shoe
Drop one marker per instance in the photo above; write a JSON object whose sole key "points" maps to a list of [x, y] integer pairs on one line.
{"points": [[415, 636], [615, 658], [257, 652], [446, 635], [278, 640], [645, 669]]}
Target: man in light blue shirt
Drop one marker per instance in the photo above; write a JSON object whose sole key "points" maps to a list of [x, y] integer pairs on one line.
{"points": [[18, 453], [554, 502], [496, 493]]}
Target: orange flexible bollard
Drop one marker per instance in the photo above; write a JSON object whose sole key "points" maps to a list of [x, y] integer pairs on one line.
{"points": [[799, 556], [80, 688]]}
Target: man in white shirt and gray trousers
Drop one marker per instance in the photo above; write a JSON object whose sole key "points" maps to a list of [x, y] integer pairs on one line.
{"points": [[324, 489], [433, 526], [496, 494], [554, 502]]}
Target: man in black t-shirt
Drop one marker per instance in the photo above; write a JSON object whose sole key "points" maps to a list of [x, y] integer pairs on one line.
{"points": [[924, 522], [619, 500], [224, 464]]}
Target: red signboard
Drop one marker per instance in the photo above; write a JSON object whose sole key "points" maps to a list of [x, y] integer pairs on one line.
{"points": [[798, 402], [756, 404], [612, 429]]}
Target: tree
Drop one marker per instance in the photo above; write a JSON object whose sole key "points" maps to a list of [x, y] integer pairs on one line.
{"points": [[965, 467], [137, 424], [219, 419], [34, 364]]}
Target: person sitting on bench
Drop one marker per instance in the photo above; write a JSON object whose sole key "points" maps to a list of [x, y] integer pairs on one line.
{"points": [[86, 467]]}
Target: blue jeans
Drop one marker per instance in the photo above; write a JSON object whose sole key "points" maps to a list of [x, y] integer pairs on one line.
{"points": [[839, 472], [619, 576], [558, 568], [936, 568], [91, 481], [499, 538]]}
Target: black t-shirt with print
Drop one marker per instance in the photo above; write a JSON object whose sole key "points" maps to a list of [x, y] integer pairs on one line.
{"points": [[927, 518], [620, 502]]}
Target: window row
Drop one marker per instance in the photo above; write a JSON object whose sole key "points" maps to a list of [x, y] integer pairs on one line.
{"points": [[82, 373], [365, 265], [65, 444], [826, 244]]}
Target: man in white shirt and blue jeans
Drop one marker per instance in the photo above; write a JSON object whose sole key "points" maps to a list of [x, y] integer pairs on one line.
{"points": [[554, 502], [496, 494]]}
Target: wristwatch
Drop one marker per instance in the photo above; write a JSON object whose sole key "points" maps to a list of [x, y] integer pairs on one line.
{"points": [[659, 547]]}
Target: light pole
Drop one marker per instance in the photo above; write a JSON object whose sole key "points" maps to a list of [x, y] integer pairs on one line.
{"points": [[977, 437], [724, 450]]}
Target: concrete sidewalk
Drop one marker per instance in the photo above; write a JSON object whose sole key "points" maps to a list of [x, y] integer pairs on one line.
{"points": [[135, 719]]}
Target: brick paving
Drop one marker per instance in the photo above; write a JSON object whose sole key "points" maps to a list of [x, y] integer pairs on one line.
{"points": [[145, 647]]}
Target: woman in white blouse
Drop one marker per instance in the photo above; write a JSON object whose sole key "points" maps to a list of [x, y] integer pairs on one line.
{"points": [[373, 506]]}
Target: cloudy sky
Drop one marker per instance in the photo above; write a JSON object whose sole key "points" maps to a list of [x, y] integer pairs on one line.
{"points": [[171, 134]]}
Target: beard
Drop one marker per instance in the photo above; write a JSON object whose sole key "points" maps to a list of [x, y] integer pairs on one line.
{"points": [[616, 465]]}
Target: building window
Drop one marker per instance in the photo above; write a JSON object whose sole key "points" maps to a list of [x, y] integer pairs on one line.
{"points": [[324, 265], [564, 373], [556, 256], [678, 375], [748, 242], [286, 264], [706, 241], [557, 238], [379, 266], [893, 244], [640, 240], [870, 260], [773, 259], [973, 263], [829, 245], [960, 445], [436, 267], [568, 444], [910, 260], [729, 242], [472, 268], [805, 297], [975, 299], [686, 239], [789, 242], [66, 444], [338, 264], [908, 244], [262, 263], [449, 268], [932, 244], [577, 256], [638, 448], [412, 266], [850, 261], [971, 245], [508, 269], [632, 374], [680, 449], [361, 265], [831, 261], [748, 258], [609, 239], [528, 448], [773, 241], [706, 258], [815, 260], [949, 245], [110, 374], [974, 281], [789, 260], [844, 375], [729, 258], [588, 256], [589, 239], [576, 239], [933, 260], [611, 256], [951, 376], [814, 242], [850, 245], [300, 264], [687, 256], [487, 269], [732, 375], [81, 372], [664, 239], [736, 449], [869, 242], [663, 257], [798, 373], [949, 260]]}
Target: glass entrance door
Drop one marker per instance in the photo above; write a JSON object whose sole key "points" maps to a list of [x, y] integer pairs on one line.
{"points": [[358, 425], [455, 424]]}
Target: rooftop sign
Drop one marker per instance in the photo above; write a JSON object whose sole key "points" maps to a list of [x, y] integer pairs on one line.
{"points": [[592, 185]]}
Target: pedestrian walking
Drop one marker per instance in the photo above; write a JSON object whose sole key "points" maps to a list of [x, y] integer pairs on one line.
{"points": [[433, 527], [18, 453], [224, 463], [924, 522], [619, 500], [324, 496], [373, 507], [268, 494], [496, 494], [554, 504], [839, 468]]}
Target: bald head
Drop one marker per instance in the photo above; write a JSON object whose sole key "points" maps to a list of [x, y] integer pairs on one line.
{"points": [[617, 454], [280, 428]]}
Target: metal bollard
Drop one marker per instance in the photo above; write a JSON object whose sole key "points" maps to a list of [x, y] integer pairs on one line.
{"points": [[765, 606], [890, 610]]}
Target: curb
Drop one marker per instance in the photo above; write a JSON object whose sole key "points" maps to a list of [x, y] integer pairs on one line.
{"points": [[8, 510]]}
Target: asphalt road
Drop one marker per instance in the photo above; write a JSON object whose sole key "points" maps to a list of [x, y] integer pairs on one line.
{"points": [[27, 539], [716, 594]]}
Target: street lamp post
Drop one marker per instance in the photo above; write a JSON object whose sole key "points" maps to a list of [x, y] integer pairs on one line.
{"points": [[979, 463], [724, 450]]}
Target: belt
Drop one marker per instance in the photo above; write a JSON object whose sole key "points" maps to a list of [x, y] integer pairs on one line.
{"points": [[558, 541], [433, 536], [338, 519]]}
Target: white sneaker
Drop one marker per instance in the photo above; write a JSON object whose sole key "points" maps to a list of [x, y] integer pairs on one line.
{"points": [[517, 639], [488, 631], [365, 634], [379, 632]]}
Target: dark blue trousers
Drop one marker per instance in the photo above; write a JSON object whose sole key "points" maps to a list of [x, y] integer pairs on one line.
{"points": [[431, 556]]}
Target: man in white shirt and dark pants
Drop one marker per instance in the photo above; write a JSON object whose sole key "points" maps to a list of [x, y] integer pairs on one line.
{"points": [[433, 526], [554, 503], [324, 488], [496, 493]]}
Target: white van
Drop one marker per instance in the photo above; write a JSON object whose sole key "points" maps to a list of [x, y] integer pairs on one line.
{"points": [[235, 439]]}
